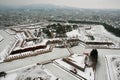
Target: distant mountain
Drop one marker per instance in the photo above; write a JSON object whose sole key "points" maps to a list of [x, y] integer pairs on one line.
{"points": [[49, 6], [35, 6], [40, 6], [2, 7]]}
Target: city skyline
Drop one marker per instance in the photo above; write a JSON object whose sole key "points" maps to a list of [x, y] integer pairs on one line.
{"points": [[99, 4]]}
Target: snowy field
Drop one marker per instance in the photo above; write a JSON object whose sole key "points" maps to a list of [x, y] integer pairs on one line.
{"points": [[78, 60], [49, 71], [98, 32], [8, 39], [101, 70], [32, 72], [78, 49], [10, 76], [113, 66], [106, 33], [36, 73], [9, 31], [55, 54], [59, 72], [6, 43], [1, 38]]}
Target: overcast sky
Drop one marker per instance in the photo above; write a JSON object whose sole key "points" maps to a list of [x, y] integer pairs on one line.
{"points": [[114, 4]]}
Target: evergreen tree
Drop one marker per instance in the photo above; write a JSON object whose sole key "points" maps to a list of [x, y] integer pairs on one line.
{"points": [[94, 54]]}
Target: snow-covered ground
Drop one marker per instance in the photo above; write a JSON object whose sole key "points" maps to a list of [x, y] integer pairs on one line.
{"points": [[5, 52], [78, 60], [7, 39], [101, 69], [35, 72], [113, 66], [11, 76], [32, 44], [73, 33], [106, 33], [60, 73], [97, 30], [78, 49], [6, 44], [1, 38], [9, 31], [99, 33], [29, 53], [55, 54]]}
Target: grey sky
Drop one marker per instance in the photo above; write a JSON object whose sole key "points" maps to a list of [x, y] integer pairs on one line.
{"points": [[114, 4]]}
